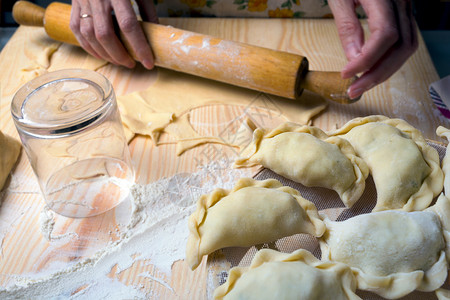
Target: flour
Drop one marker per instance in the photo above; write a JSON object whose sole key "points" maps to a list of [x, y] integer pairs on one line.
{"points": [[47, 224], [156, 234], [162, 282]]}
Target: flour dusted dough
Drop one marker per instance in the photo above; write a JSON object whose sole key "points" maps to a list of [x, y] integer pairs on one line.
{"points": [[9, 152], [253, 212], [150, 112], [309, 156], [296, 275], [405, 169], [393, 252]]}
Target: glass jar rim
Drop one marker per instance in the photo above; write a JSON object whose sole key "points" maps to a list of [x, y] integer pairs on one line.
{"points": [[72, 123]]}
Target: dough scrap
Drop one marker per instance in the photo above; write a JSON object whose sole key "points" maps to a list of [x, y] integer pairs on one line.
{"points": [[150, 112], [38, 50], [296, 275], [187, 137], [9, 152], [253, 212], [405, 169], [392, 253], [307, 155]]}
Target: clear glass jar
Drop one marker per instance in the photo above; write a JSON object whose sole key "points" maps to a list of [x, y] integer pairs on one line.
{"points": [[71, 130]]}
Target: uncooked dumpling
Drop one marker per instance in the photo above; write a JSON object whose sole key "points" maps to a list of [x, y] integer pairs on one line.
{"points": [[306, 154], [405, 169], [254, 212], [392, 252], [296, 275], [9, 152]]}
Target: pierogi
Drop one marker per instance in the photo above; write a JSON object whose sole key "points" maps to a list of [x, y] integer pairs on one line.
{"points": [[306, 154], [393, 252], [253, 212], [296, 275], [405, 169]]}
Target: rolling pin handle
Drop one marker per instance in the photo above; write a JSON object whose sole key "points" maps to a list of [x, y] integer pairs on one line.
{"points": [[29, 14], [329, 85]]}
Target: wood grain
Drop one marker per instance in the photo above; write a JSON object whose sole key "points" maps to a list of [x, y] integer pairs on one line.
{"points": [[24, 249]]}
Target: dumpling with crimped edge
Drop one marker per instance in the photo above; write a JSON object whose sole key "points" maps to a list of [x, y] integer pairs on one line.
{"points": [[296, 275], [307, 155], [393, 253], [405, 169], [253, 212]]}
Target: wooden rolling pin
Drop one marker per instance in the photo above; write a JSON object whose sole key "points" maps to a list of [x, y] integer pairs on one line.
{"points": [[275, 72]]}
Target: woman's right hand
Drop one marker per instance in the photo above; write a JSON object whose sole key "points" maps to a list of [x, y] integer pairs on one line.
{"points": [[92, 23]]}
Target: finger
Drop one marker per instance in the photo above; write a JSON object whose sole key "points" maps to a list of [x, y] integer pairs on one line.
{"points": [[413, 26], [88, 32], [107, 38], [408, 33], [75, 27], [384, 34], [378, 74], [133, 32], [393, 59], [348, 26], [86, 46], [148, 11]]}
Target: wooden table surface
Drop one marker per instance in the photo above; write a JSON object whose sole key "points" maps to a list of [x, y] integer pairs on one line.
{"points": [[24, 250]]}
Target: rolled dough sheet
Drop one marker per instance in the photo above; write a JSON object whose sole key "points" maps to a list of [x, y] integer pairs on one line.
{"points": [[69, 56], [9, 152], [43, 57], [39, 50], [32, 49], [164, 107]]}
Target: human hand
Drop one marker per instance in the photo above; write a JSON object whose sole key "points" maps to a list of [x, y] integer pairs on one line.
{"points": [[95, 31], [393, 39]]}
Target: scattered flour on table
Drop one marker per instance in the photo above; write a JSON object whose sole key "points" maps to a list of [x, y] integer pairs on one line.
{"points": [[47, 224], [155, 234]]}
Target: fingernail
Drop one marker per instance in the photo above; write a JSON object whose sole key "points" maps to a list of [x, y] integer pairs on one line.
{"points": [[148, 64], [354, 93], [352, 51]]}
